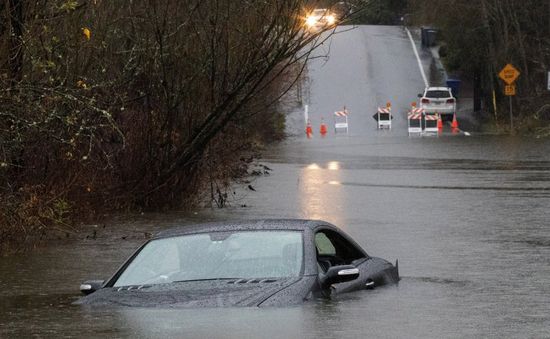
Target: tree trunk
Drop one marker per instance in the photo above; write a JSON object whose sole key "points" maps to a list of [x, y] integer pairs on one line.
{"points": [[522, 49], [491, 45]]}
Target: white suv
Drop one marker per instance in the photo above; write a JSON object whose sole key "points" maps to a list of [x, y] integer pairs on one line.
{"points": [[438, 100]]}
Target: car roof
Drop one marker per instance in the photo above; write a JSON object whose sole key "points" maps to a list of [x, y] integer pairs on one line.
{"points": [[319, 11], [437, 88], [247, 225]]}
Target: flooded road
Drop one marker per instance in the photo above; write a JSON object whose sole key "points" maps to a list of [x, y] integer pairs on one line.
{"points": [[467, 217]]}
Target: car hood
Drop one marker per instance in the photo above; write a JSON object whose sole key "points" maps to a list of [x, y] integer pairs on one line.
{"points": [[209, 293]]}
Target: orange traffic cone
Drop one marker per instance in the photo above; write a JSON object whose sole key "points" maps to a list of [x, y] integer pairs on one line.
{"points": [[323, 129], [309, 130], [439, 123], [454, 124]]}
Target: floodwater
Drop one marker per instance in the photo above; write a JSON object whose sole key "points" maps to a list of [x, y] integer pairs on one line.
{"points": [[467, 217]]}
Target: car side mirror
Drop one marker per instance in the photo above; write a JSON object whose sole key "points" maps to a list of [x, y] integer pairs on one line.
{"points": [[420, 95], [90, 286], [339, 274]]}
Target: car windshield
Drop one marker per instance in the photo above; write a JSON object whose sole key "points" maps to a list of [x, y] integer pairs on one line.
{"points": [[319, 12], [218, 255], [438, 94]]}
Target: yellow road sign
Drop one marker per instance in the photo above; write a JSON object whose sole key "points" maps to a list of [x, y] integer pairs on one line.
{"points": [[509, 74], [510, 90]]}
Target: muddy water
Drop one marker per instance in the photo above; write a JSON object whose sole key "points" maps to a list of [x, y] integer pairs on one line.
{"points": [[467, 217]]}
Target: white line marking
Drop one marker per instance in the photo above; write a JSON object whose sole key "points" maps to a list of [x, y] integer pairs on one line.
{"points": [[417, 58], [422, 68]]}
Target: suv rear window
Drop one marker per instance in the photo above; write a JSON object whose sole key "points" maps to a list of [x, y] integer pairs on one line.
{"points": [[438, 94]]}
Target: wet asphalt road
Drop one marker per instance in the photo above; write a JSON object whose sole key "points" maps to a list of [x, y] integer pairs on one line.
{"points": [[467, 217]]}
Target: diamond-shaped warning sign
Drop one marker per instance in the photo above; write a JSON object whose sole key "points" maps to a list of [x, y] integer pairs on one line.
{"points": [[509, 74]]}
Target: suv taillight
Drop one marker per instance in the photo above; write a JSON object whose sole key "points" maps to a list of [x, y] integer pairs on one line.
{"points": [[451, 101], [425, 101]]}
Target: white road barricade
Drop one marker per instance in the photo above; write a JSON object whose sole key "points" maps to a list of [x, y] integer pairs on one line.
{"points": [[430, 123], [341, 120], [414, 123], [384, 117]]}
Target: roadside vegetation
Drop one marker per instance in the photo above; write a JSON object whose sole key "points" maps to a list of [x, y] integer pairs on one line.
{"points": [[480, 38], [137, 105], [378, 12]]}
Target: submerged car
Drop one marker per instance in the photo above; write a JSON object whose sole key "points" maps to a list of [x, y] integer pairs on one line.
{"points": [[438, 100], [250, 263]]}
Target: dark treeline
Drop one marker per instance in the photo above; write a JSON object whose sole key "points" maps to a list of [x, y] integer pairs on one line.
{"points": [[479, 38], [379, 12], [125, 105]]}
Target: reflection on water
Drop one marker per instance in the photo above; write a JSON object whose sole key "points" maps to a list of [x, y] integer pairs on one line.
{"points": [[317, 201], [333, 166], [313, 167]]}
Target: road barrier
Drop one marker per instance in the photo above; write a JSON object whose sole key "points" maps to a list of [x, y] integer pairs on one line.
{"points": [[414, 120], [323, 128], [341, 120], [432, 123], [384, 117], [309, 130], [454, 124]]}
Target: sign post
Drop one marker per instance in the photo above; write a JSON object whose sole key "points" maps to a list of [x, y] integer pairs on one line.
{"points": [[509, 74]]}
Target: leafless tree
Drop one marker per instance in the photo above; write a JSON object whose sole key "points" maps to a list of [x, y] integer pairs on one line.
{"points": [[137, 104]]}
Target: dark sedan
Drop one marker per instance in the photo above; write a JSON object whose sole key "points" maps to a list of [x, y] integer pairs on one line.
{"points": [[251, 263]]}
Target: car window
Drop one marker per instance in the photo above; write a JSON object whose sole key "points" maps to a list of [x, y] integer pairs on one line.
{"points": [[217, 255], [324, 245], [319, 12], [438, 94], [148, 266], [333, 249]]}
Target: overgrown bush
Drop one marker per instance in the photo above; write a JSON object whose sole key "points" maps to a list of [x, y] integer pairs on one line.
{"points": [[136, 105]]}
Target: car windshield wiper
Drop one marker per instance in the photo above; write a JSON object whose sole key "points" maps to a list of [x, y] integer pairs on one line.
{"points": [[206, 279]]}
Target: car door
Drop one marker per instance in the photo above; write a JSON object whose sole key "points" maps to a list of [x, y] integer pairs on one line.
{"points": [[334, 249]]}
